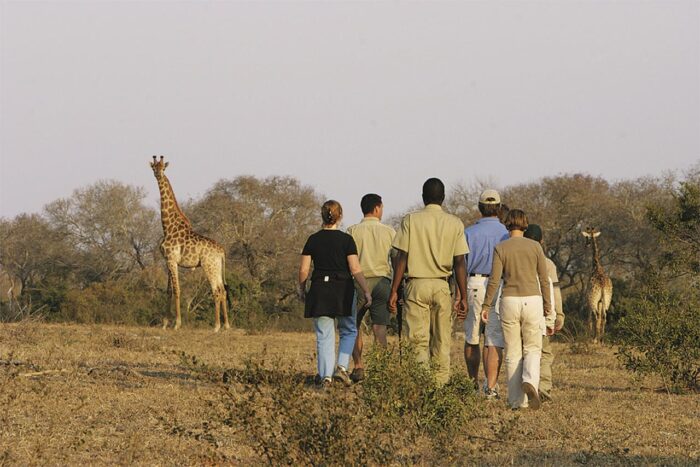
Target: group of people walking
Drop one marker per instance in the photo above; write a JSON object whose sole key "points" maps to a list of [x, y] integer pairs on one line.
{"points": [[503, 287]]}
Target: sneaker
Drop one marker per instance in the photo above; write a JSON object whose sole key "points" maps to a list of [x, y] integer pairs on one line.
{"points": [[491, 394], [341, 375], [322, 383], [357, 375], [533, 398]]}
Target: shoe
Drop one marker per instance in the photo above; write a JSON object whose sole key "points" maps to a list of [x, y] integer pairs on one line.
{"points": [[357, 375], [485, 387], [322, 383], [341, 375], [545, 396], [491, 394], [533, 398]]}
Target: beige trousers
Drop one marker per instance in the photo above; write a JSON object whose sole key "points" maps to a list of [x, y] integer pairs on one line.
{"points": [[521, 319], [546, 365], [427, 320]]}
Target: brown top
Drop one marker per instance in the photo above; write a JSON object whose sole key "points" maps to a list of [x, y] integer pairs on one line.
{"points": [[521, 263]]}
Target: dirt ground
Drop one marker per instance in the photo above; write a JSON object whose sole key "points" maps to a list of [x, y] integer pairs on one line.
{"points": [[123, 395]]}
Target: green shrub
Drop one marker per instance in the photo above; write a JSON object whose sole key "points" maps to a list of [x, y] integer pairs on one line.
{"points": [[659, 334], [397, 407]]}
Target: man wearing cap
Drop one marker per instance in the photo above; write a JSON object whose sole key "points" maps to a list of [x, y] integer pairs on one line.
{"points": [[373, 240], [482, 237], [554, 322], [431, 245]]}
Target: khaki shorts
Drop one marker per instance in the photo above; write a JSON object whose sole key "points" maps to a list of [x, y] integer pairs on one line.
{"points": [[379, 310], [493, 334]]}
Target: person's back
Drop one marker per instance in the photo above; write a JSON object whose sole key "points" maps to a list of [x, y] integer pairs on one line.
{"points": [[520, 258], [373, 240], [433, 239]]}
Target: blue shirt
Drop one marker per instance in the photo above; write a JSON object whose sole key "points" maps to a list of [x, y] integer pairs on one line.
{"points": [[482, 238]]}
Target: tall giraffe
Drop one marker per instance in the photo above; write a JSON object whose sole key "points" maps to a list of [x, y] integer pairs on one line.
{"points": [[600, 291], [182, 246]]}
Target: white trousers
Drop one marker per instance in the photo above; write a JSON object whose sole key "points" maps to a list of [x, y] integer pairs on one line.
{"points": [[522, 322]]}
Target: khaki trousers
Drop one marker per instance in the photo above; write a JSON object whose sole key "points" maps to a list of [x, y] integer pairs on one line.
{"points": [[546, 365], [427, 319], [522, 322]]}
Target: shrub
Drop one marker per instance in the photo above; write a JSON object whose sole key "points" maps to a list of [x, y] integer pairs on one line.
{"points": [[659, 334], [380, 421]]}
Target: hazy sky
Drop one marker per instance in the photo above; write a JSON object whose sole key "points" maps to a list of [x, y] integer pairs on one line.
{"points": [[349, 97]]}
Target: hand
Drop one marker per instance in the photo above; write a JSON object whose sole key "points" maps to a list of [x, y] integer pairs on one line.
{"points": [[393, 299], [461, 309], [301, 293], [557, 327], [368, 300], [485, 316], [550, 331]]}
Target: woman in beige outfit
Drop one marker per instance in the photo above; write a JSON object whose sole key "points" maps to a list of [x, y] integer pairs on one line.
{"points": [[521, 264]]}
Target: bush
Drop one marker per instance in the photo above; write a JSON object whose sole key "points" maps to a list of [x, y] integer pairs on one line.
{"points": [[397, 408], [659, 334]]}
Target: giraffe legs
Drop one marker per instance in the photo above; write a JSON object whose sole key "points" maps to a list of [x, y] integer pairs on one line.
{"points": [[174, 294]]}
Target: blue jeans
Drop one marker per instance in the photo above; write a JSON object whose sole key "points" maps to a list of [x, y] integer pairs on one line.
{"points": [[325, 342]]}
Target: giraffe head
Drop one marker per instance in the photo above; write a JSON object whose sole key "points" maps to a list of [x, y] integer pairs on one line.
{"points": [[158, 167], [590, 233]]}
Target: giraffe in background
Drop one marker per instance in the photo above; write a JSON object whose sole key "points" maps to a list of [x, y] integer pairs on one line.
{"points": [[600, 291], [182, 246]]}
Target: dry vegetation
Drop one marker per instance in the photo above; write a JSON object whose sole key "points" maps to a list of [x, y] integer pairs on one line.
{"points": [[103, 395]]}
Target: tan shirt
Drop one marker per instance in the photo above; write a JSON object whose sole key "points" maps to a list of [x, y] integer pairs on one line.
{"points": [[432, 238], [373, 240], [521, 263], [554, 294]]}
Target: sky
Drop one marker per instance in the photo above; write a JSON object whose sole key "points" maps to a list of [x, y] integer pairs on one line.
{"points": [[348, 97]]}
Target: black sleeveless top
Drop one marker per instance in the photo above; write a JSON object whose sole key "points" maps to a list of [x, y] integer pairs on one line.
{"points": [[332, 288]]}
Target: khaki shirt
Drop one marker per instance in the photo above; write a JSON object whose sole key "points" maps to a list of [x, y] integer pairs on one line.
{"points": [[373, 240], [555, 296], [432, 238]]}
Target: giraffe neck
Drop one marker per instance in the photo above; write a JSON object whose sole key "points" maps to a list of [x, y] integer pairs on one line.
{"points": [[597, 266], [172, 217]]}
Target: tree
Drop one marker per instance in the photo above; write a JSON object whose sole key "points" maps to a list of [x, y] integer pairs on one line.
{"points": [[109, 227], [263, 223]]}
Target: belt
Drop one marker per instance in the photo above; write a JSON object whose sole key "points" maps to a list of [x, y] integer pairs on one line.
{"points": [[447, 279], [479, 275]]}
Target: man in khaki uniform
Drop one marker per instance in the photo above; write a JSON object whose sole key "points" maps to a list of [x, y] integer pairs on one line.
{"points": [[430, 244], [554, 322], [373, 240]]}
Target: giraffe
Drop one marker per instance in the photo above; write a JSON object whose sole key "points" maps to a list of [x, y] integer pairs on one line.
{"points": [[182, 246], [600, 290]]}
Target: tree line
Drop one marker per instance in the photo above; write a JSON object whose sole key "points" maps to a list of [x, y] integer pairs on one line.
{"points": [[93, 257]]}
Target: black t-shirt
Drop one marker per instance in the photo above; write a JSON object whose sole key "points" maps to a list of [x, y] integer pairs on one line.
{"points": [[329, 250]]}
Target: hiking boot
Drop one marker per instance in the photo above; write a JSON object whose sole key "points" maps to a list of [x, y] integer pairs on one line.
{"points": [[491, 394], [357, 375], [341, 375], [533, 398], [545, 396]]}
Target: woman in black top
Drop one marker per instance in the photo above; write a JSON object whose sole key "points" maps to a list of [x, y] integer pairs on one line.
{"points": [[334, 255]]}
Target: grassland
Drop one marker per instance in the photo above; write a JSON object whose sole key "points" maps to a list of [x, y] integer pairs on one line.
{"points": [[125, 395]]}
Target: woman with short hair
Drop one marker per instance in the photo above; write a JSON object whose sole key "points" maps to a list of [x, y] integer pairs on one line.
{"points": [[521, 264], [330, 297]]}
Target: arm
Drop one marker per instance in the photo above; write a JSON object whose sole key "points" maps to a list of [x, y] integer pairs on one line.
{"points": [[544, 279], [304, 269], [356, 271], [494, 283], [559, 321], [460, 272], [400, 263]]}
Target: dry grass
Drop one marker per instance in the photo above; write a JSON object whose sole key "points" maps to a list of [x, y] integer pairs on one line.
{"points": [[119, 395]]}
